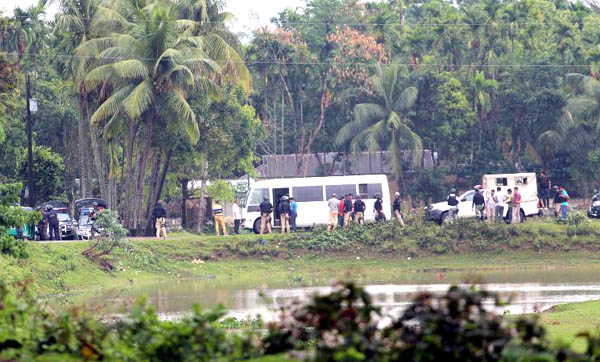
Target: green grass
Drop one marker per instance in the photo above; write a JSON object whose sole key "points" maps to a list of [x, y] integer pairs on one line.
{"points": [[564, 322]]}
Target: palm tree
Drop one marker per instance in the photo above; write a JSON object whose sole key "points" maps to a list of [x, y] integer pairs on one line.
{"points": [[482, 101], [383, 124], [75, 20], [148, 68]]}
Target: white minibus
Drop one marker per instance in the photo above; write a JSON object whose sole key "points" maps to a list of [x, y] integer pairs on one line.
{"points": [[311, 194]]}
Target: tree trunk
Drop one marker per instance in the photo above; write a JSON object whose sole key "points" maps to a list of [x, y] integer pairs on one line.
{"points": [[201, 214], [141, 174], [150, 201], [129, 177], [101, 172], [81, 145], [185, 195]]}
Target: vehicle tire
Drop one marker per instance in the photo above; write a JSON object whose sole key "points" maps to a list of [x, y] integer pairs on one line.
{"points": [[256, 227], [444, 218], [522, 216]]}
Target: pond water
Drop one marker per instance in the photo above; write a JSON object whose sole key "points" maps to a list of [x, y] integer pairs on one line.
{"points": [[529, 291]]}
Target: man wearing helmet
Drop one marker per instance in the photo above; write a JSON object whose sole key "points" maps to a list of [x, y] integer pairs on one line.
{"points": [[266, 208], [53, 224]]}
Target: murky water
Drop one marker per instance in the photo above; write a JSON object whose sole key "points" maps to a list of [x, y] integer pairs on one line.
{"points": [[528, 291]]}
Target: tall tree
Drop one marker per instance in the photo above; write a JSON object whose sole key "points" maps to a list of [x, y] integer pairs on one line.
{"points": [[383, 124]]}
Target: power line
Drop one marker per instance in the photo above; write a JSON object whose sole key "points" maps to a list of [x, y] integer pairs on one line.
{"points": [[258, 62]]}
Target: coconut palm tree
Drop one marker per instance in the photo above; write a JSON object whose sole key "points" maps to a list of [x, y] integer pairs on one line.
{"points": [[383, 124], [147, 68], [482, 100], [75, 19]]}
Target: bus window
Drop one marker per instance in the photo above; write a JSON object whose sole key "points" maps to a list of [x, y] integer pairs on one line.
{"points": [[257, 196], [308, 193], [340, 190], [502, 181], [368, 191]]}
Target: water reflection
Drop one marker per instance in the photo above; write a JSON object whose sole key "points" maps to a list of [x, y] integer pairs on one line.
{"points": [[528, 291]]}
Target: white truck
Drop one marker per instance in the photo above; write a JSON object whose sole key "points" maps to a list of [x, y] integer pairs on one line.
{"points": [[526, 182]]}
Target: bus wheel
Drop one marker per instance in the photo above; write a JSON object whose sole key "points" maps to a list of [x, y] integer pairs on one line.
{"points": [[256, 227]]}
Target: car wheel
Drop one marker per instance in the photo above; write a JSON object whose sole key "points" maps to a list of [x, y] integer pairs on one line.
{"points": [[522, 216], [445, 218]]}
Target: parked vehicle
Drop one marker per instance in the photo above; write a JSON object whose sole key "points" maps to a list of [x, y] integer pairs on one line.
{"points": [[83, 211], [594, 211], [311, 195], [24, 232], [67, 227], [526, 182]]}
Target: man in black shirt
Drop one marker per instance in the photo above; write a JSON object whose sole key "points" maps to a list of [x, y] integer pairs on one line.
{"points": [[359, 211], [284, 212], [397, 206], [266, 208], [159, 213], [453, 203], [53, 224], [479, 204], [379, 215]]}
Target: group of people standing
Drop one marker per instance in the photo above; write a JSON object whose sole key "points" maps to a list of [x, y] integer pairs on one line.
{"points": [[288, 212], [349, 209], [493, 203]]}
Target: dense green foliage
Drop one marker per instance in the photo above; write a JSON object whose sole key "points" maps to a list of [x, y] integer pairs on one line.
{"points": [[11, 216], [343, 325], [140, 97]]}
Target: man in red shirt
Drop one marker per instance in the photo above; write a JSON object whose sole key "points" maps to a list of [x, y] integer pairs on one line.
{"points": [[516, 205]]}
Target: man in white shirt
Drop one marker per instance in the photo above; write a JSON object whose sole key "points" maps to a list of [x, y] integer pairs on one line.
{"points": [[237, 217], [500, 201], [334, 206]]}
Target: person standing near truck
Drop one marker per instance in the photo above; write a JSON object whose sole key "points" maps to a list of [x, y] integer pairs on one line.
{"points": [[516, 206], [479, 204], [490, 206], [499, 199]]}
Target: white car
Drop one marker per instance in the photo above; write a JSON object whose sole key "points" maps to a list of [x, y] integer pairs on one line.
{"points": [[526, 182], [439, 212]]}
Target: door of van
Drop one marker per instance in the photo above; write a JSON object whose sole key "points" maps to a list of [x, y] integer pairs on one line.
{"points": [[277, 195]]}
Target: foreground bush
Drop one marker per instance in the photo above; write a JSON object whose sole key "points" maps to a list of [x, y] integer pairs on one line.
{"points": [[341, 326]]}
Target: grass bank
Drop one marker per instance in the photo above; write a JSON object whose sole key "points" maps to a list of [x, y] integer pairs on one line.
{"points": [[564, 322], [380, 253]]}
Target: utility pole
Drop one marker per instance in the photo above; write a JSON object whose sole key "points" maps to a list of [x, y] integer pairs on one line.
{"points": [[28, 127]]}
